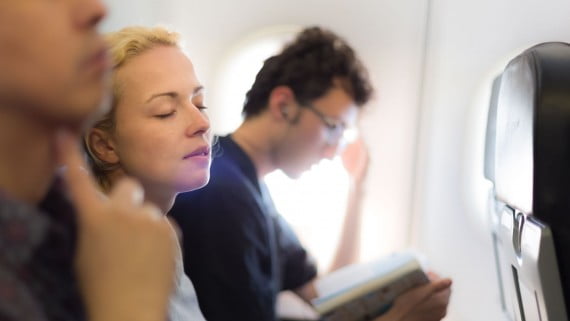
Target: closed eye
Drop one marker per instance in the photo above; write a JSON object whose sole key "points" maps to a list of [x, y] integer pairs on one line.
{"points": [[166, 115]]}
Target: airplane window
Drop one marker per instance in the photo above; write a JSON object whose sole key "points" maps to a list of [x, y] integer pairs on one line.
{"points": [[315, 206], [237, 73]]}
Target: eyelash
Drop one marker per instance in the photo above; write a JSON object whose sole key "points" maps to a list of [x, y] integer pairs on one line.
{"points": [[163, 116]]}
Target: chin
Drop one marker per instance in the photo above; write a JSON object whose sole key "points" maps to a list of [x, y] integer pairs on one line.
{"points": [[78, 114], [193, 183], [90, 102]]}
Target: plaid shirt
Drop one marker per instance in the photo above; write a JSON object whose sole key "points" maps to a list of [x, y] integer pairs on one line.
{"points": [[36, 261]]}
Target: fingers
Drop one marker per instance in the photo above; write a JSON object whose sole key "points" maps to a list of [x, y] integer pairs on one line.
{"points": [[437, 282], [153, 211], [81, 186], [421, 293], [128, 195], [435, 306], [440, 285], [433, 276], [427, 302], [355, 159], [127, 192], [83, 190]]}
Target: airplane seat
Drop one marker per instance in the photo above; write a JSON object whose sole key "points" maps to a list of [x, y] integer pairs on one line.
{"points": [[529, 128]]}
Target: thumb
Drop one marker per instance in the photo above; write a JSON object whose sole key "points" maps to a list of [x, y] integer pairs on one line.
{"points": [[422, 292], [440, 284], [80, 185]]}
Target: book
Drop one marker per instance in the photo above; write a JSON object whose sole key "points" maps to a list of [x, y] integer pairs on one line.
{"points": [[363, 291]]}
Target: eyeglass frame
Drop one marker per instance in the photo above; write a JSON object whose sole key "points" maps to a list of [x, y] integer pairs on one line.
{"points": [[330, 123]]}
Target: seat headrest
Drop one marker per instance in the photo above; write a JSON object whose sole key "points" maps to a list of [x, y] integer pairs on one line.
{"points": [[532, 150]]}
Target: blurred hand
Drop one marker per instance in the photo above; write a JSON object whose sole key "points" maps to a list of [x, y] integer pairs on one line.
{"points": [[126, 250], [424, 303], [355, 160]]}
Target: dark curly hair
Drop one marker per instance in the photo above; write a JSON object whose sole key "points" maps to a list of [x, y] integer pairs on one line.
{"points": [[309, 66]]}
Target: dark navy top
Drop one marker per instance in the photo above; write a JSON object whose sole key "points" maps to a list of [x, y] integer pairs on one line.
{"points": [[238, 252]]}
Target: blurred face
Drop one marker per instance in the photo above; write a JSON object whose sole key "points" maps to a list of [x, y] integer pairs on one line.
{"points": [[318, 132], [162, 134], [52, 59]]}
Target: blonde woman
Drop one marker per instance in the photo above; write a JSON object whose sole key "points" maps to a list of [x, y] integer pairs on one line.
{"points": [[156, 130]]}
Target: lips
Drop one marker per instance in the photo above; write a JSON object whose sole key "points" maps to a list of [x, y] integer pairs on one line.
{"points": [[199, 152]]}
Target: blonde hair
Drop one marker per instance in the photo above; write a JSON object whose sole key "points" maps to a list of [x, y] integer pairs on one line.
{"points": [[124, 45]]}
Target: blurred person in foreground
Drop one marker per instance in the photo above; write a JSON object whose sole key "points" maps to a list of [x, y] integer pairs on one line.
{"points": [[66, 252]]}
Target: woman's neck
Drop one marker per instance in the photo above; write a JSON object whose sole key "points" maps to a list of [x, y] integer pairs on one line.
{"points": [[158, 196], [164, 200], [27, 155]]}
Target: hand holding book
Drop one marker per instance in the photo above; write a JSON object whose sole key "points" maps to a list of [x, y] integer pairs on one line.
{"points": [[424, 303], [395, 288]]}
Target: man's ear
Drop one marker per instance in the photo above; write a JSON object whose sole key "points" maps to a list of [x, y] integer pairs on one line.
{"points": [[101, 146], [280, 102]]}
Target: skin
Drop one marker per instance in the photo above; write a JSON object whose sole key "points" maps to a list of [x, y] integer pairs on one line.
{"points": [[355, 161], [160, 119], [54, 56], [51, 85], [293, 140], [53, 67]]}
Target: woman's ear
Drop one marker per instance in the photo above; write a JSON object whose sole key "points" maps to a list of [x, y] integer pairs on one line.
{"points": [[101, 146]]}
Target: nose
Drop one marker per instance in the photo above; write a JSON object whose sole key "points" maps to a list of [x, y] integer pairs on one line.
{"points": [[89, 13], [198, 123]]}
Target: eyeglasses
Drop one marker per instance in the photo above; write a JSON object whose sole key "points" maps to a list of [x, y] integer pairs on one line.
{"points": [[335, 128]]}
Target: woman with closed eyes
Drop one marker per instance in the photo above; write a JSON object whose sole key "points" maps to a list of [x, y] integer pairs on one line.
{"points": [[156, 132]]}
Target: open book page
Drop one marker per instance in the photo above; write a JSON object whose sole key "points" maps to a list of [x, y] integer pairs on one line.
{"points": [[368, 286]]}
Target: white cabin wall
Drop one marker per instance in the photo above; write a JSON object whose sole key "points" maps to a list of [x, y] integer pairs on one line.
{"points": [[469, 42]]}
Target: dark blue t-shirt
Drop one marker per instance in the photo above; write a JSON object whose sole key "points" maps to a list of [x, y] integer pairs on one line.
{"points": [[238, 252]]}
